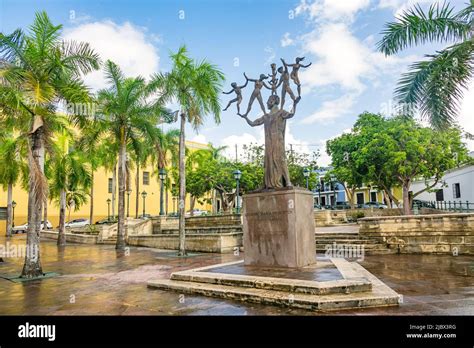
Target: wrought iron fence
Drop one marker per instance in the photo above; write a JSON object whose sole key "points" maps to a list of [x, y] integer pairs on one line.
{"points": [[446, 205]]}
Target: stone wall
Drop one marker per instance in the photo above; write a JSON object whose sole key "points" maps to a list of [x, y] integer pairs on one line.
{"points": [[329, 217], [435, 233], [214, 220], [203, 242]]}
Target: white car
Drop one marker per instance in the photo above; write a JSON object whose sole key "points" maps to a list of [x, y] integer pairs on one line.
{"points": [[77, 223], [23, 228], [197, 212]]}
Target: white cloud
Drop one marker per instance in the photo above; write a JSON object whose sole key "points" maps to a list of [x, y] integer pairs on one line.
{"points": [[344, 60], [286, 40], [127, 45], [324, 159], [400, 6], [331, 9], [199, 138], [331, 110]]}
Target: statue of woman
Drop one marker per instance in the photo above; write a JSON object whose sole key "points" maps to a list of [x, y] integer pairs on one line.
{"points": [[256, 92]]}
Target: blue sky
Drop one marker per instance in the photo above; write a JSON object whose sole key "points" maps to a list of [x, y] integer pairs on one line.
{"points": [[348, 75]]}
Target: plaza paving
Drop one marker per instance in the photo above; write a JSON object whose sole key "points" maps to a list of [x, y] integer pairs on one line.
{"points": [[95, 280]]}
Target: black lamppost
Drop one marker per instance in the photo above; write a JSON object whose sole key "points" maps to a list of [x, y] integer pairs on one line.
{"points": [[318, 187], [13, 206], [237, 175], [144, 197], [306, 173], [333, 183], [162, 175], [108, 208], [370, 198], [128, 202]]}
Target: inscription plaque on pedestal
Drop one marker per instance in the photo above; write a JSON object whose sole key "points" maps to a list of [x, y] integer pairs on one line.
{"points": [[278, 228]]}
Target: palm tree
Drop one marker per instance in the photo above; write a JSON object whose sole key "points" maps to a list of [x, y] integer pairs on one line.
{"points": [[196, 87], [166, 145], [39, 69], [435, 85], [10, 153], [127, 116], [70, 173]]}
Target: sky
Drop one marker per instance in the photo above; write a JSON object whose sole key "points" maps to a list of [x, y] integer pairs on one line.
{"points": [[347, 77]]}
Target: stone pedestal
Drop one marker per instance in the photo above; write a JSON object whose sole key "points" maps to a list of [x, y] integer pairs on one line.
{"points": [[278, 228]]}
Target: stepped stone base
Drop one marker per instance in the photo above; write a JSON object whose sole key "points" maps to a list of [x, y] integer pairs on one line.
{"points": [[339, 285]]}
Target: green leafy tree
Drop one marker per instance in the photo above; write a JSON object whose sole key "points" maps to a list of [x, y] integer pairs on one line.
{"points": [[434, 85], [38, 68], [195, 86]]}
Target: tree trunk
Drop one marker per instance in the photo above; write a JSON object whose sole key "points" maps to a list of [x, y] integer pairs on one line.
{"points": [[114, 189], [91, 211], [9, 210], [137, 193], [122, 175], [166, 201], [406, 198], [45, 212], [182, 188], [62, 218], [37, 185], [191, 205]]}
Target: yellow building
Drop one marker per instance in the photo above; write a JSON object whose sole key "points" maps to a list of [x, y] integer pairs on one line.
{"points": [[103, 184]]}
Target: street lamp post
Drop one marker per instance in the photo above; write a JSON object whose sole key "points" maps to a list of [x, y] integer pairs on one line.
{"points": [[144, 197], [13, 217], [306, 173], [237, 175], [108, 208], [128, 202], [318, 187], [333, 183], [162, 175]]}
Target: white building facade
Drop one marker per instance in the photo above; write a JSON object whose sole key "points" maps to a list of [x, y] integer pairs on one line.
{"points": [[457, 185]]}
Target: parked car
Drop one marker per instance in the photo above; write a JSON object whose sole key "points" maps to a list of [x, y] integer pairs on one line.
{"points": [[343, 205], [145, 217], [197, 212], [317, 206], [106, 221], [375, 205], [23, 228], [423, 204], [77, 223]]}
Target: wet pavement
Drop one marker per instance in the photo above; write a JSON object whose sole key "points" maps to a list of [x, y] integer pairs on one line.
{"points": [[95, 280]]}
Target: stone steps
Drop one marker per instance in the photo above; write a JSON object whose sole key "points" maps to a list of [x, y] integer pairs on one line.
{"points": [[371, 245], [287, 292], [275, 284]]}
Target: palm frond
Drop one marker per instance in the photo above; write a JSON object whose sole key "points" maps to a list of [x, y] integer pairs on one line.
{"points": [[414, 26]]}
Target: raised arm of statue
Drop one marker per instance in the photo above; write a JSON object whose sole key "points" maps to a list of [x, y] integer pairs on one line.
{"points": [[245, 84], [258, 122], [253, 80], [306, 66], [293, 110], [229, 91], [284, 64], [266, 86]]}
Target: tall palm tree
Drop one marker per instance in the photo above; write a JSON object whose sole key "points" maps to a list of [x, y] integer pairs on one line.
{"points": [[128, 116], [70, 172], [434, 85], [196, 87], [39, 69], [11, 149], [166, 146]]}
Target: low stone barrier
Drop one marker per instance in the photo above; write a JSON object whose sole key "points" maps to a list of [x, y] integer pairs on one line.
{"points": [[329, 217], [434, 233], [71, 237], [204, 242]]}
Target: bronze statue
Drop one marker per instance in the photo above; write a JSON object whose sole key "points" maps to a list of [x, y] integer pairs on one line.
{"points": [[274, 121], [274, 80], [256, 92], [238, 91], [294, 72], [274, 124]]}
